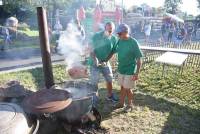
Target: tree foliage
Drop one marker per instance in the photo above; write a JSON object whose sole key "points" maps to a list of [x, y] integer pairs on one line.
{"points": [[199, 3], [171, 6], [13, 7]]}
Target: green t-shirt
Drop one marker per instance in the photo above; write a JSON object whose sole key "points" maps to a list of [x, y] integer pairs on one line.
{"points": [[128, 52], [103, 46]]}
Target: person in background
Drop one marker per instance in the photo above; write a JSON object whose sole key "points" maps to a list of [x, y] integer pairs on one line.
{"points": [[7, 38], [147, 31], [190, 30], [103, 44], [195, 30], [171, 31], [129, 64], [163, 31], [180, 34], [50, 33], [81, 30], [58, 28]]}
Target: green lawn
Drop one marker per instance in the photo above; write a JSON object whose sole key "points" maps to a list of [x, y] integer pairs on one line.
{"points": [[26, 39], [161, 105], [30, 33], [184, 90], [33, 79]]}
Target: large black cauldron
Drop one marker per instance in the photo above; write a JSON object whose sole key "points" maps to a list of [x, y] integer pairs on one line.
{"points": [[83, 96]]}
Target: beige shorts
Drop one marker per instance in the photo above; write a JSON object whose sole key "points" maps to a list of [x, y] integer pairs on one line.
{"points": [[126, 81]]}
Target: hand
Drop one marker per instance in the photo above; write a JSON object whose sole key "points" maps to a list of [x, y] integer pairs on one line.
{"points": [[96, 62], [135, 77]]}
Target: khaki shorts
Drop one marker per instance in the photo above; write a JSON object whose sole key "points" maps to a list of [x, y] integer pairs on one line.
{"points": [[126, 81]]}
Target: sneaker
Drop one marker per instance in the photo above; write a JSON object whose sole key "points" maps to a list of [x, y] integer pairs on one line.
{"points": [[128, 108], [112, 98], [118, 106]]}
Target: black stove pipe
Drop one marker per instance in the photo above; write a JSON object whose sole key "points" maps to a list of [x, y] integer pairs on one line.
{"points": [[45, 47]]}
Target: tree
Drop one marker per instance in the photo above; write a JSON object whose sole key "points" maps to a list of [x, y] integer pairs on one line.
{"points": [[14, 7], [171, 6], [199, 3]]}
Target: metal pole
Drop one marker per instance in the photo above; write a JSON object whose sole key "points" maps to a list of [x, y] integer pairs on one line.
{"points": [[122, 11], [45, 47]]}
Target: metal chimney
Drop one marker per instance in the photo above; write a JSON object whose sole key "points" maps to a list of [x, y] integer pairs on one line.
{"points": [[45, 47]]}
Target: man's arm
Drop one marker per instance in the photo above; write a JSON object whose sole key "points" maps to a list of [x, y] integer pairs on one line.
{"points": [[110, 56], [94, 58], [113, 50], [139, 64]]}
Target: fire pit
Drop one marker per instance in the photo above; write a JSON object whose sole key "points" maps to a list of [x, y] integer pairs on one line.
{"points": [[71, 104]]}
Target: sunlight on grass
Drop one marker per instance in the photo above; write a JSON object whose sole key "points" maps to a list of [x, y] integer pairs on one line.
{"points": [[30, 33]]}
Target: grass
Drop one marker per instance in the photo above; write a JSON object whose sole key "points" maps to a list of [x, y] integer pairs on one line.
{"points": [[161, 105], [33, 79], [17, 44], [184, 90], [31, 40], [30, 33]]}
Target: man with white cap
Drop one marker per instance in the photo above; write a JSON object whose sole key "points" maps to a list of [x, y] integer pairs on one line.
{"points": [[129, 63]]}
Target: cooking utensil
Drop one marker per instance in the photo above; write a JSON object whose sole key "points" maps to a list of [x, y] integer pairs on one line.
{"points": [[46, 101], [82, 101]]}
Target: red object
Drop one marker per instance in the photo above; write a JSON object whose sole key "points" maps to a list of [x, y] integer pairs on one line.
{"points": [[108, 14], [78, 72], [118, 15], [81, 13], [97, 17]]}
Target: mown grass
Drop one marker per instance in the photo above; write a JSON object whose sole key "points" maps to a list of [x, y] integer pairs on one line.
{"points": [[30, 33], [33, 79], [17, 44], [161, 105], [166, 105], [184, 90]]}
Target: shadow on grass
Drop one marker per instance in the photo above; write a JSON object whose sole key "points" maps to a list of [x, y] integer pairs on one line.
{"points": [[59, 75], [181, 119], [38, 77]]}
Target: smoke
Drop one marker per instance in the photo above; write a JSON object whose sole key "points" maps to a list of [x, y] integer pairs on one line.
{"points": [[70, 45]]}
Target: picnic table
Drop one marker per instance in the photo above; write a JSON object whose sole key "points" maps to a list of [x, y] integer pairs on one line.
{"points": [[172, 58]]}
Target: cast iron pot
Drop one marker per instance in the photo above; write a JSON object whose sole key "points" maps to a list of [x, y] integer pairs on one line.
{"points": [[81, 104]]}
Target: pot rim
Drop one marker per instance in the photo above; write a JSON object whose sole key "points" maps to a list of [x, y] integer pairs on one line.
{"points": [[82, 98]]}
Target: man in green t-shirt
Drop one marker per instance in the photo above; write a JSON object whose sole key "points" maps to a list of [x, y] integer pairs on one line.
{"points": [[103, 44], [129, 63]]}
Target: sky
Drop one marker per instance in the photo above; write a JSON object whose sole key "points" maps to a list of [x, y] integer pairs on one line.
{"points": [[189, 6]]}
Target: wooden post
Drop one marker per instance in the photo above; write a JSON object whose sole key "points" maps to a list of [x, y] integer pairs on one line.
{"points": [[45, 47]]}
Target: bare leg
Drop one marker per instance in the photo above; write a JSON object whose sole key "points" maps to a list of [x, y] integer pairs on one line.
{"points": [[122, 96], [130, 96], [109, 87], [145, 39]]}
